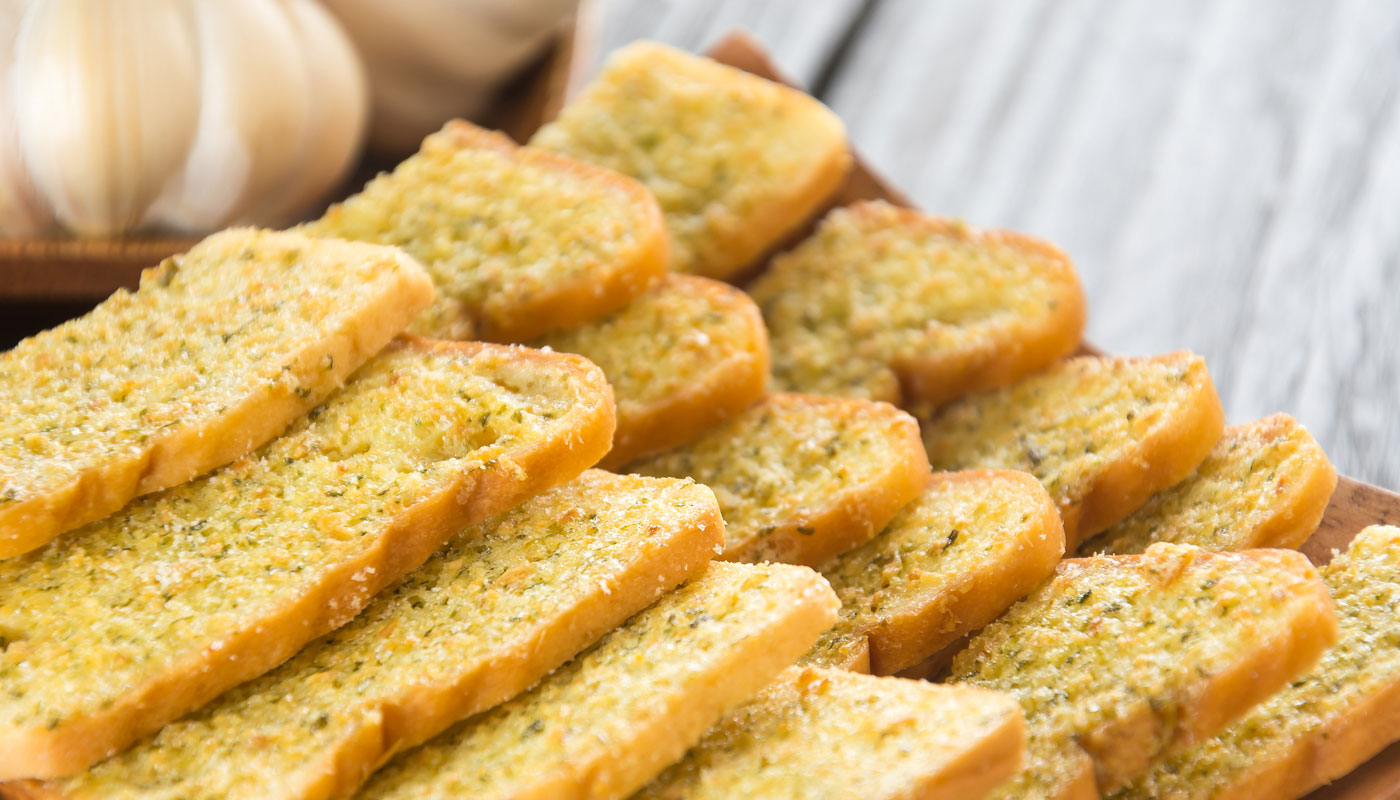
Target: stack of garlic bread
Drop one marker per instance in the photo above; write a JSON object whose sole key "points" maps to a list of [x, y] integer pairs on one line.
{"points": [[273, 551]]}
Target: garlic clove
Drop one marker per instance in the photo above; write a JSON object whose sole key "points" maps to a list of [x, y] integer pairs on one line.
{"points": [[105, 105], [254, 89], [337, 107], [442, 60], [22, 212]]}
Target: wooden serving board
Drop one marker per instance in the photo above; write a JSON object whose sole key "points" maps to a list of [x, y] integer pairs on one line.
{"points": [[1354, 505]]}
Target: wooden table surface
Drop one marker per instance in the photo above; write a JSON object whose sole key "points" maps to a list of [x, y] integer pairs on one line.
{"points": [[1225, 174]]}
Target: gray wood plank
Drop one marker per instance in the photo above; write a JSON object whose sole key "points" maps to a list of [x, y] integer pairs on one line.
{"points": [[1210, 166], [800, 33], [1225, 174]]}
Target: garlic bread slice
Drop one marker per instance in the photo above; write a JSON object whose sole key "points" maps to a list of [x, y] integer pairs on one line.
{"points": [[828, 733], [1329, 721], [1127, 659], [519, 242], [502, 604], [610, 720], [888, 304], [1266, 484], [134, 620], [1102, 434], [950, 562], [801, 478], [216, 353], [681, 358], [737, 162]]}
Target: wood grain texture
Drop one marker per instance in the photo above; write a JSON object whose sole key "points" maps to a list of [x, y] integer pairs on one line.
{"points": [[1224, 174]]}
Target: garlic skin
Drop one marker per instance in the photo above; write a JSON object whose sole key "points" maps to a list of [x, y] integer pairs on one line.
{"points": [[432, 60], [176, 114], [22, 212]]}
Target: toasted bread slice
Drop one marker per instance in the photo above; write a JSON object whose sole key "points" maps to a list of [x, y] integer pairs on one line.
{"points": [[839, 650], [502, 604], [1265, 484], [828, 733], [1102, 434], [737, 162], [888, 304], [1136, 657], [610, 720], [801, 478], [1324, 724], [217, 352], [681, 359], [136, 619], [950, 562], [520, 242]]}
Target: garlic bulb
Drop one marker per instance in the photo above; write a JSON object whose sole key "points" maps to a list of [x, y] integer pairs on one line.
{"points": [[183, 114], [432, 60]]}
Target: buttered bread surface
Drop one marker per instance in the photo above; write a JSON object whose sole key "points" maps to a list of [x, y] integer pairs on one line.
{"points": [[217, 352], [135, 619], [502, 604]]}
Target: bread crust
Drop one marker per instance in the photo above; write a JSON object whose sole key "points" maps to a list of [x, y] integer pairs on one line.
{"points": [[904, 639], [1164, 457], [169, 457], [197, 678]]}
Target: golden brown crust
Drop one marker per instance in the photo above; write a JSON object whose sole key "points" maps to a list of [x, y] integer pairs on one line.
{"points": [[1167, 455], [557, 304], [844, 651], [473, 495], [175, 455], [1265, 484], [717, 367], [985, 765], [904, 639]]}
